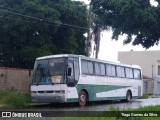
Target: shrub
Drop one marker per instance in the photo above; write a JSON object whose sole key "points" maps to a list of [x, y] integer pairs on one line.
{"points": [[14, 98], [145, 95]]}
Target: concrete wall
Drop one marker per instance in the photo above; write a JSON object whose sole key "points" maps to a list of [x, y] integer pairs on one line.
{"points": [[148, 85], [15, 79], [157, 85]]}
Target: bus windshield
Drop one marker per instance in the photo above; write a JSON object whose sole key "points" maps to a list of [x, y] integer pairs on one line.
{"points": [[50, 71]]}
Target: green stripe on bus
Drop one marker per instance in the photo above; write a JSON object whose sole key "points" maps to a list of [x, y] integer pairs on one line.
{"points": [[72, 100], [103, 98], [93, 89]]}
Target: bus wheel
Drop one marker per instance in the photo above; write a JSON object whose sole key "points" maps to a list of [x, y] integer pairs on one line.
{"points": [[82, 98], [128, 96]]}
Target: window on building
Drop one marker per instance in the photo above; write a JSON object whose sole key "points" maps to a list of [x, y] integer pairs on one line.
{"points": [[120, 71], [110, 70]]}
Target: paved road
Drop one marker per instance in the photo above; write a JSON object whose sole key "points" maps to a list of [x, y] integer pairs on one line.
{"points": [[94, 106]]}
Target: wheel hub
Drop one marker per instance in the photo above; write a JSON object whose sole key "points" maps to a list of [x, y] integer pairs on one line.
{"points": [[82, 98]]}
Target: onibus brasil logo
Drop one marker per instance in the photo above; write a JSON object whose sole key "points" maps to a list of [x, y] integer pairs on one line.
{"points": [[20, 114]]}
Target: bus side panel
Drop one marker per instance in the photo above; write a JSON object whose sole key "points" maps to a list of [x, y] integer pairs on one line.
{"points": [[103, 88], [72, 94], [137, 87]]}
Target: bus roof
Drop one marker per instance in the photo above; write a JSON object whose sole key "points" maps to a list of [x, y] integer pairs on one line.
{"points": [[58, 55], [109, 62], [88, 58]]}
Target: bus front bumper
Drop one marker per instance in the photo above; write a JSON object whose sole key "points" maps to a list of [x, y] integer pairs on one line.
{"points": [[48, 98]]}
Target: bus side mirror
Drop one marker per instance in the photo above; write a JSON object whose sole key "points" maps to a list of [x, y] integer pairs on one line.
{"points": [[69, 71], [70, 78]]}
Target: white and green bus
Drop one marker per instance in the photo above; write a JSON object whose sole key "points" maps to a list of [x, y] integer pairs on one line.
{"points": [[76, 78]]}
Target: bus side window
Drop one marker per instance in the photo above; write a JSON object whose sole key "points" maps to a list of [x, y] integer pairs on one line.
{"points": [[137, 74], [84, 67], [97, 69], [87, 67], [102, 67], [90, 67], [120, 71], [111, 70], [129, 72]]}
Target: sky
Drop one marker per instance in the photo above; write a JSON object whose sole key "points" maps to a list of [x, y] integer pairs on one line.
{"points": [[109, 48]]}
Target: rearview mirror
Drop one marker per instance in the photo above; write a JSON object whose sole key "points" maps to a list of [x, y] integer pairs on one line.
{"points": [[69, 71]]}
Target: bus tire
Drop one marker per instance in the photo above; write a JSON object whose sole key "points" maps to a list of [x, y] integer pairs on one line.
{"points": [[128, 96], [82, 98]]}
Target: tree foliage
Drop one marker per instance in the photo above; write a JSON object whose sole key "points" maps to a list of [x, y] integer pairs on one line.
{"points": [[33, 28], [136, 18]]}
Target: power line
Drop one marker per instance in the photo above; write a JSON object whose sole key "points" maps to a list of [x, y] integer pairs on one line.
{"points": [[34, 22], [40, 19]]}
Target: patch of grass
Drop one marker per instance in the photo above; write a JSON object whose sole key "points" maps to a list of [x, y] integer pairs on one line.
{"points": [[90, 118], [145, 96], [14, 98], [140, 110], [147, 108]]}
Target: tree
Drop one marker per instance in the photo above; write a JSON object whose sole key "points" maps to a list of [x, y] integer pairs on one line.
{"points": [[138, 19], [34, 28], [93, 36]]}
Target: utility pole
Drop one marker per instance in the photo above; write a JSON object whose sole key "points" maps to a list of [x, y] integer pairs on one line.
{"points": [[96, 32], [97, 39], [89, 49]]}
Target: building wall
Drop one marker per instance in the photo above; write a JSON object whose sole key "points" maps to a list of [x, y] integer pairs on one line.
{"points": [[148, 60], [157, 85], [15, 79], [148, 86]]}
